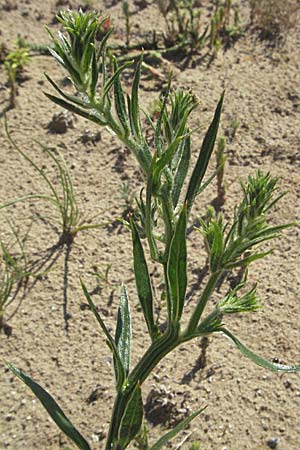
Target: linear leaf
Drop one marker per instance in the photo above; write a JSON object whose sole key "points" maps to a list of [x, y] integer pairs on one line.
{"points": [[112, 79], [158, 133], [120, 103], [53, 409], [275, 367], [132, 419], [171, 434], [123, 330], [68, 97], [182, 170], [143, 282], [204, 156], [87, 115], [177, 260], [134, 102], [119, 369]]}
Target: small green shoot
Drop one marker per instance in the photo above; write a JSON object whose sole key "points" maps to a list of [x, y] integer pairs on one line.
{"points": [[14, 64]]}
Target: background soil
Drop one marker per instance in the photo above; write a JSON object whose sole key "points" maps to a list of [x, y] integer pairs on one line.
{"points": [[54, 336]]}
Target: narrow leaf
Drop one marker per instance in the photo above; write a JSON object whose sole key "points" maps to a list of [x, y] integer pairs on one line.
{"points": [[120, 103], [123, 330], [171, 434], [177, 262], [134, 102], [143, 282], [204, 156], [92, 116], [182, 170], [132, 419], [119, 369], [68, 97], [275, 367], [53, 409]]}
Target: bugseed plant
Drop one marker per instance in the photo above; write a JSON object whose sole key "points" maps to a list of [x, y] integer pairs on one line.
{"points": [[63, 197], [160, 223]]}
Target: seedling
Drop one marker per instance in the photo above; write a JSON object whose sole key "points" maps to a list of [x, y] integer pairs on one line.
{"points": [[63, 197], [163, 213], [14, 271], [273, 17], [183, 21], [126, 12], [14, 64]]}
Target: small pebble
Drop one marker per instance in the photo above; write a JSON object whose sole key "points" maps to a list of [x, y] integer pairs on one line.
{"points": [[273, 442]]}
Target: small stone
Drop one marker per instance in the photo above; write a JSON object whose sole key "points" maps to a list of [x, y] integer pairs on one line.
{"points": [[61, 122], [90, 137], [273, 442]]}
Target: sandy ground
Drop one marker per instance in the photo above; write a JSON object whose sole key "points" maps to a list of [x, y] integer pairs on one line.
{"points": [[54, 337]]}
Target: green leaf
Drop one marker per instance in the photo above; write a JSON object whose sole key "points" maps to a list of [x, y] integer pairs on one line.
{"points": [[120, 103], [165, 159], [204, 156], [92, 116], [134, 102], [275, 367], [132, 419], [111, 81], [182, 170], [71, 98], [119, 369], [177, 270], [123, 330], [158, 133], [53, 409], [171, 434], [143, 282]]}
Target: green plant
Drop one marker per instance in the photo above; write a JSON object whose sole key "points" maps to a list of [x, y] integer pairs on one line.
{"points": [[160, 223], [14, 270], [14, 63], [224, 25], [183, 23], [63, 198], [126, 12]]}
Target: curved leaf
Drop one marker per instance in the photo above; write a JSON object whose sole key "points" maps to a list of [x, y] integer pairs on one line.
{"points": [[275, 367], [53, 409], [168, 436], [119, 369]]}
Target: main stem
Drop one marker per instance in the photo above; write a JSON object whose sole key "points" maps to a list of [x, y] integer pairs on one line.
{"points": [[155, 353]]}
